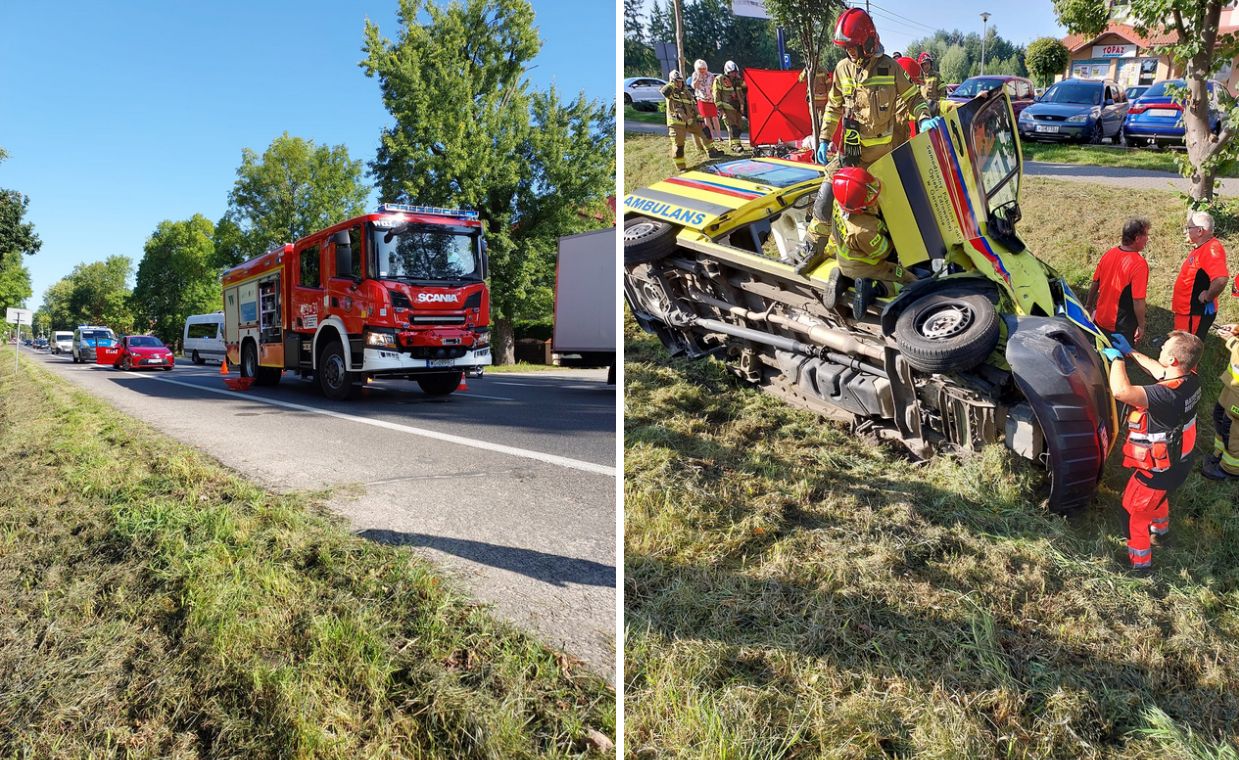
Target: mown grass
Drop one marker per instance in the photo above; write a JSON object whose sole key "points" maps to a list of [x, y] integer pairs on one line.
{"points": [[794, 591], [499, 369], [156, 605], [658, 116], [1113, 155]]}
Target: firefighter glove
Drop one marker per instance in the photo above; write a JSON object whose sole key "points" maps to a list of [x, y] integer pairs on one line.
{"points": [[851, 147], [823, 152], [1120, 343], [1210, 308], [929, 123], [1112, 354]]}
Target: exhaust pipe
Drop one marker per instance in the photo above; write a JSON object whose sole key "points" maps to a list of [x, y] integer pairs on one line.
{"points": [[824, 336]]}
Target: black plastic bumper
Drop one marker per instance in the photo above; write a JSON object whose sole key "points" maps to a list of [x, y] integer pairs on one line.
{"points": [[1059, 371]]}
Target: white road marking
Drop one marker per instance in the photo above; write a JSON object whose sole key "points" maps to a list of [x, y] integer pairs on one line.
{"points": [[496, 398], [541, 456], [526, 385]]}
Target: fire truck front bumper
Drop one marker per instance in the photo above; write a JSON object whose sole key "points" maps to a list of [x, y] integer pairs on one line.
{"points": [[421, 360]]}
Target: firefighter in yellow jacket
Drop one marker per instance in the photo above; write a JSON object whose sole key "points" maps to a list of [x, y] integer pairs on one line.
{"points": [[866, 251], [931, 84], [683, 120], [1224, 464], [730, 95]]}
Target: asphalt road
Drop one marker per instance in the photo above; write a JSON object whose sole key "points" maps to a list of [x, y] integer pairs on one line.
{"points": [[509, 487]]}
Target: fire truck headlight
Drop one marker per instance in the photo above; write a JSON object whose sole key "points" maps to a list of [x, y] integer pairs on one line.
{"points": [[382, 340]]}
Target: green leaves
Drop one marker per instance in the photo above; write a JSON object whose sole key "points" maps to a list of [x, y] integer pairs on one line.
{"points": [[95, 294], [177, 277], [1046, 57]]}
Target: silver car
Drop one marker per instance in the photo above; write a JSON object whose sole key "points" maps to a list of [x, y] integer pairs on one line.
{"points": [[87, 338]]}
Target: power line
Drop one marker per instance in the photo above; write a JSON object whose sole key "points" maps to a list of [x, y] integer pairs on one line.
{"points": [[902, 17]]}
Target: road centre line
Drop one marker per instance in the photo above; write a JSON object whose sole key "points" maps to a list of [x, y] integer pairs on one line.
{"points": [[541, 456]]}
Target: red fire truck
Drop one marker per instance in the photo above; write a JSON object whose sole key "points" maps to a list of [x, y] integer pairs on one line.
{"points": [[397, 293]]}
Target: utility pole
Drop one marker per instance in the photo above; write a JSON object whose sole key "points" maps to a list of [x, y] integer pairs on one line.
{"points": [[681, 62], [984, 34]]}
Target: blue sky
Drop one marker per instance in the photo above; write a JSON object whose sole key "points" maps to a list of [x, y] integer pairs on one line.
{"points": [[902, 21], [119, 115]]}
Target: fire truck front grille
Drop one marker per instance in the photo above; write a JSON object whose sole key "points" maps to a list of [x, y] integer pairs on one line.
{"points": [[438, 352], [437, 319]]}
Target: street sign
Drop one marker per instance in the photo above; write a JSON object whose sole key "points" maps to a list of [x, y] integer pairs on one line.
{"points": [[19, 316], [749, 8]]}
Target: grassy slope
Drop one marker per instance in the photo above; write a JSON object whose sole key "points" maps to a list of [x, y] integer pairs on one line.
{"points": [[156, 605], [794, 591]]}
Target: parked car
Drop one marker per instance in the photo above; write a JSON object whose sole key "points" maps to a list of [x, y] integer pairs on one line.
{"points": [[950, 88], [1019, 90], [40, 343], [1156, 119], [62, 342], [643, 93], [1086, 110], [137, 352], [88, 338], [1135, 91], [204, 337]]}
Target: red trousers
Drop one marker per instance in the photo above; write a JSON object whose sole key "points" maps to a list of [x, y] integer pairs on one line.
{"points": [[1196, 324], [1148, 511]]}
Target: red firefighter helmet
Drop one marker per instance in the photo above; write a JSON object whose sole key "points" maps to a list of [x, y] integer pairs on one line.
{"points": [[856, 190], [925, 57], [855, 30], [910, 66]]}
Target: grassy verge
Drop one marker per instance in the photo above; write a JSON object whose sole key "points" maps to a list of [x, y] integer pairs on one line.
{"points": [[1102, 155], [645, 117], [794, 591], [156, 605], [499, 369]]}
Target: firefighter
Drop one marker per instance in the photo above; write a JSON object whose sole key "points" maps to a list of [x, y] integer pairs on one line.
{"points": [[1224, 464], [1161, 434], [870, 94], [730, 93], [821, 87], [931, 85], [683, 120], [913, 70], [866, 248]]}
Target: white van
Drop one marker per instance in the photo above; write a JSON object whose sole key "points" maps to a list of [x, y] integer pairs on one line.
{"points": [[204, 337], [62, 342]]}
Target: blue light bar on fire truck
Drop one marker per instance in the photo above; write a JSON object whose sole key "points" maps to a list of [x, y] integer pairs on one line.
{"points": [[386, 208]]}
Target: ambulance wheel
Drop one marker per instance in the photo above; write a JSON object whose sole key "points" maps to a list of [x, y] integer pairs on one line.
{"points": [[334, 379], [945, 333], [439, 385], [647, 240]]}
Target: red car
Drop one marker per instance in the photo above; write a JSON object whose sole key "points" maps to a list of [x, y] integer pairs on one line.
{"points": [[137, 352]]}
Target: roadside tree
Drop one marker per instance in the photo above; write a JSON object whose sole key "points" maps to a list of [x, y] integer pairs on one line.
{"points": [[176, 277], [292, 189], [14, 283], [811, 22], [1045, 57], [469, 132], [94, 293], [1201, 50], [17, 237]]}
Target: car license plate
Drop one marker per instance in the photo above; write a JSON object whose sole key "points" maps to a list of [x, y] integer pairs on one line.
{"points": [[1041, 128], [1163, 112], [154, 361], [440, 363]]}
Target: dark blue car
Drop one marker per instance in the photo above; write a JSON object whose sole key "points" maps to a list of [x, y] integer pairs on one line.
{"points": [[1083, 110], [1156, 119]]}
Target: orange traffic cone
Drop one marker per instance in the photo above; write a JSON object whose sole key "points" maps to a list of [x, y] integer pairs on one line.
{"points": [[223, 366], [464, 386]]}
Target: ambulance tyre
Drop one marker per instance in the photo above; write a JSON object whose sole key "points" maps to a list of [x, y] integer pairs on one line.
{"points": [[334, 380], [944, 333], [647, 240], [439, 385]]}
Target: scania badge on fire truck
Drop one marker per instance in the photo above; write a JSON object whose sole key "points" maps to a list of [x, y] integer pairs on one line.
{"points": [[397, 293]]}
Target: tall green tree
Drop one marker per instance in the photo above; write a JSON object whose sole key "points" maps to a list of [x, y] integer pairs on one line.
{"points": [[55, 308], [1045, 57], [17, 236], [293, 189], [1201, 49], [14, 283], [96, 293], [469, 132], [1001, 55], [953, 65], [715, 34], [176, 277], [811, 22]]}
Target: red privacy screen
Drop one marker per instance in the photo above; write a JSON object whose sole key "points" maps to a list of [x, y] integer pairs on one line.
{"points": [[777, 106]]}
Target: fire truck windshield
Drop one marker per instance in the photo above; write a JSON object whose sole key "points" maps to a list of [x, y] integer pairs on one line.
{"points": [[427, 253]]}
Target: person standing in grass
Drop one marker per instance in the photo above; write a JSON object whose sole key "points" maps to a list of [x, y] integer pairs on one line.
{"points": [[1224, 464], [1121, 282], [1161, 434], [1201, 278]]}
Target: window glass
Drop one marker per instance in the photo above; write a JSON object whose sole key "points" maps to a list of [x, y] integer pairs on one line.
{"points": [[202, 330], [354, 235], [309, 268], [145, 341]]}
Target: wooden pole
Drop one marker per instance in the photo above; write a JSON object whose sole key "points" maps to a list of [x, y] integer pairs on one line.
{"points": [[681, 63]]}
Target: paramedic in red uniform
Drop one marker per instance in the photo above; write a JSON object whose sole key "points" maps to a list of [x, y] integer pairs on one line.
{"points": [[1201, 279], [1161, 434], [1121, 283]]}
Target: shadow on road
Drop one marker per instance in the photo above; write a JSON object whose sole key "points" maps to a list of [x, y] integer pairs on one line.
{"points": [[554, 569]]}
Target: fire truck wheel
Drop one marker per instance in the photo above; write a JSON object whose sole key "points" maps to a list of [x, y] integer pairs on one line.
{"points": [[334, 380], [439, 385]]}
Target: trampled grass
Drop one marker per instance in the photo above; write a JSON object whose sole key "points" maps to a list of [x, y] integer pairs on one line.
{"points": [[156, 605], [794, 591]]}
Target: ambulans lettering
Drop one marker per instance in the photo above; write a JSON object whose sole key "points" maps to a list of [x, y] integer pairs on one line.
{"points": [[666, 211], [438, 297]]}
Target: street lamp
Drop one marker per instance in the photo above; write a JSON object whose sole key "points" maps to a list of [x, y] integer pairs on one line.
{"points": [[984, 21]]}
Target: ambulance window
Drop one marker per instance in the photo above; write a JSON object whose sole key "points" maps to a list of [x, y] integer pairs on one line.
{"points": [[309, 268]]}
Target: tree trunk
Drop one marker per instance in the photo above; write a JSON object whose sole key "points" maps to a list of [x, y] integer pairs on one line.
{"points": [[503, 343], [1197, 135]]}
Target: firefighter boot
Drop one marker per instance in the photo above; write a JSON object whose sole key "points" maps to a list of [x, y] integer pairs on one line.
{"points": [[866, 290], [678, 157], [714, 152], [733, 137]]}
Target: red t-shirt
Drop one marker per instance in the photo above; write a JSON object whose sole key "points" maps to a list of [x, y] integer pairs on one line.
{"points": [[1203, 265], [1124, 278]]}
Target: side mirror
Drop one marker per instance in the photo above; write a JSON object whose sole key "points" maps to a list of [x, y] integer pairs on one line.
{"points": [[485, 261], [344, 255], [1109, 101]]}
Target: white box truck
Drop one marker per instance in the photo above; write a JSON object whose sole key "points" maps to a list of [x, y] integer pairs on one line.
{"points": [[586, 297]]}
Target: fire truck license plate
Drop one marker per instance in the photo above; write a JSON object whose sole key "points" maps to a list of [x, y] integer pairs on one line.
{"points": [[439, 362]]}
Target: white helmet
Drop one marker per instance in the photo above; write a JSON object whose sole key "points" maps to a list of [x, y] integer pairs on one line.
{"points": [[700, 64], [730, 67], [673, 75]]}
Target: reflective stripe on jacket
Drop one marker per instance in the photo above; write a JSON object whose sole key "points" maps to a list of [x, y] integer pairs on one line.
{"points": [[1156, 449], [876, 95], [681, 105]]}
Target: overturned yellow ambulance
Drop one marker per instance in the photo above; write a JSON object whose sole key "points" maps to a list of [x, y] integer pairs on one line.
{"points": [[987, 345]]}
